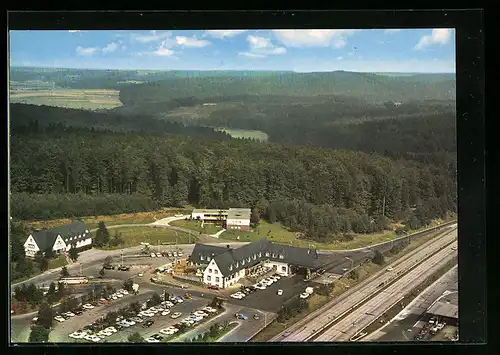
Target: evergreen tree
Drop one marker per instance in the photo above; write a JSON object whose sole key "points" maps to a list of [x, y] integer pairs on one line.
{"points": [[39, 334], [73, 253]]}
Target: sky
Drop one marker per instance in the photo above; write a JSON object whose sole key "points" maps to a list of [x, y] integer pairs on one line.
{"points": [[367, 50]]}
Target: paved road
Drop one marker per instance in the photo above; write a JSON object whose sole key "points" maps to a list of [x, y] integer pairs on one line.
{"points": [[383, 301], [312, 323], [409, 317]]}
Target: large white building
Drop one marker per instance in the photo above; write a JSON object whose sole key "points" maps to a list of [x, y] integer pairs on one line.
{"points": [[233, 218], [59, 239], [224, 266]]}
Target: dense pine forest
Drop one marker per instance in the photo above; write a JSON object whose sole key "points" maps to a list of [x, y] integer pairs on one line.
{"points": [[62, 171], [346, 152]]}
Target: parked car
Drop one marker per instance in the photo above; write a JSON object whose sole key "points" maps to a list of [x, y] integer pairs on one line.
{"points": [[169, 254], [280, 292], [179, 254], [59, 319], [158, 255], [256, 316], [165, 312], [241, 316], [176, 315], [304, 295], [389, 269], [152, 340], [213, 287], [148, 323]]}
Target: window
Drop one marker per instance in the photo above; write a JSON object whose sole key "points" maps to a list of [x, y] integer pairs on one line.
{"points": [[216, 279], [83, 234], [209, 271], [281, 256], [202, 257], [216, 271], [267, 253], [260, 254], [209, 278], [230, 267], [283, 268]]}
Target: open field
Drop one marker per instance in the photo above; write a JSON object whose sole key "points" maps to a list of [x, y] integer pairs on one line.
{"points": [[110, 220], [133, 236], [196, 226], [69, 98], [245, 133]]}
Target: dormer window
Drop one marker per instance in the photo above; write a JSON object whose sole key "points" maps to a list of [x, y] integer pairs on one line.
{"points": [[66, 239], [260, 254], [254, 256], [267, 254], [237, 264], [202, 257], [243, 262], [79, 236], [249, 258], [230, 267], [281, 256], [274, 255], [208, 258]]}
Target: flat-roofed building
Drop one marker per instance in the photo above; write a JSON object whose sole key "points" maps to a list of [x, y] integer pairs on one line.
{"points": [[238, 218], [209, 215]]}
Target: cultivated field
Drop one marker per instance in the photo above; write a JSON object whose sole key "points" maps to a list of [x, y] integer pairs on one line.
{"points": [[69, 98]]}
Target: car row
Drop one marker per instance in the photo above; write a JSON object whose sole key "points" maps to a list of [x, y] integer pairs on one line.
{"points": [[268, 281]]}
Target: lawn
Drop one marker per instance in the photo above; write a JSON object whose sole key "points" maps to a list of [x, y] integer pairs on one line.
{"points": [[276, 231], [60, 261], [133, 236], [196, 226], [111, 220]]}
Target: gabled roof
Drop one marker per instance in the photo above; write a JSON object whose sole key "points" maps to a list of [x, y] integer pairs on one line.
{"points": [[47, 237], [203, 250], [248, 255]]}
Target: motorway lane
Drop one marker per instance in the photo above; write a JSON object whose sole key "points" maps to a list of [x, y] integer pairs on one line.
{"points": [[376, 306], [397, 328], [303, 329]]}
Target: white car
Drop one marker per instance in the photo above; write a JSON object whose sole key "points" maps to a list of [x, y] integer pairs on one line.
{"points": [[119, 295], [196, 318], [304, 295], [210, 309], [69, 314], [169, 254], [153, 255], [146, 314], [140, 274], [153, 310], [260, 287], [169, 304], [77, 335], [88, 306], [200, 313], [165, 312], [111, 329], [176, 315], [124, 292], [114, 297], [280, 292], [59, 319], [152, 340], [158, 255], [131, 322], [389, 268]]}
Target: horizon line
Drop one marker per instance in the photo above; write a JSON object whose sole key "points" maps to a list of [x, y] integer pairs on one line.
{"points": [[227, 70]]}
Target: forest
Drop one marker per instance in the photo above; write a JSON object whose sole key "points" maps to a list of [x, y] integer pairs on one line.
{"points": [[63, 171]]}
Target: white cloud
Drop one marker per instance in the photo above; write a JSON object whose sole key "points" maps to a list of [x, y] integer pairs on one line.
{"points": [[191, 42], [110, 48], [438, 36], [163, 52], [221, 34], [392, 30], [153, 36], [86, 51], [313, 38], [252, 55], [261, 47], [340, 58], [73, 31]]}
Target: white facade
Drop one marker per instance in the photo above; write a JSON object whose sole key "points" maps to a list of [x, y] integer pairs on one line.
{"points": [[80, 243], [232, 279], [238, 222], [59, 245], [281, 268], [30, 246], [212, 275]]}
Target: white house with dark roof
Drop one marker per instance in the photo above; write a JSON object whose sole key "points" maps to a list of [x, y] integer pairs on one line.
{"points": [[59, 239], [224, 267]]}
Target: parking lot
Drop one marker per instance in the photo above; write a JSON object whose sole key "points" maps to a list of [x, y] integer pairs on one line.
{"points": [[268, 299]]}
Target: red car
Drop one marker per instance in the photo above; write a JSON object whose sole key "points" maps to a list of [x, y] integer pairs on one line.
{"points": [[213, 287]]}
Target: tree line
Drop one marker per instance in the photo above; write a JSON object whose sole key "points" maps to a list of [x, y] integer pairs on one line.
{"points": [[90, 173]]}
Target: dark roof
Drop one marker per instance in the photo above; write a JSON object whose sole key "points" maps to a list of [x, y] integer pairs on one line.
{"points": [[248, 255], [205, 250], [46, 238]]}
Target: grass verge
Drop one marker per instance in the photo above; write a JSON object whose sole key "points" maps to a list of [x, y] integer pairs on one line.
{"points": [[133, 236], [196, 226]]}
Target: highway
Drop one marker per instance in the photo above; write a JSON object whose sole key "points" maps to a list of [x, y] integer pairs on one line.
{"points": [[314, 322], [400, 328], [383, 301]]}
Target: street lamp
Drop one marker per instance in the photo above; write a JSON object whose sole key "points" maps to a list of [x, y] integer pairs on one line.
{"points": [[352, 261]]}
